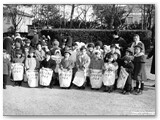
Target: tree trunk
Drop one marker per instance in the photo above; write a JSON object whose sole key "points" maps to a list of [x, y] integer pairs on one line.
{"points": [[72, 12], [112, 16]]}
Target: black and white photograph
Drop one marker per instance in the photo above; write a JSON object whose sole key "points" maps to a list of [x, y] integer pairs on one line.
{"points": [[79, 59]]}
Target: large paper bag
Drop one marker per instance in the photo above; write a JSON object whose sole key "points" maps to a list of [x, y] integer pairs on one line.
{"points": [[32, 78], [65, 78], [79, 78], [109, 78], [122, 78], [17, 70], [45, 76], [96, 78]]}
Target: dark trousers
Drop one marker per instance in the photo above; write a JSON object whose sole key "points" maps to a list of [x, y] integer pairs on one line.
{"points": [[5, 79], [19, 83]]}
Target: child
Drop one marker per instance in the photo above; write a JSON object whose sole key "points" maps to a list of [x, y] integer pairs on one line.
{"points": [[83, 61], [98, 46], [139, 69], [49, 63], [6, 68], [110, 66], [106, 50], [31, 63], [90, 51], [18, 59], [97, 62], [39, 53], [128, 65], [66, 63]]}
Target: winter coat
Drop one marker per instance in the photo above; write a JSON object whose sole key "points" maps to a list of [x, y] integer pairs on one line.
{"points": [[129, 67], [67, 64], [96, 64], [6, 66], [48, 64], [31, 63], [83, 61], [139, 67], [18, 60], [152, 53], [40, 55]]}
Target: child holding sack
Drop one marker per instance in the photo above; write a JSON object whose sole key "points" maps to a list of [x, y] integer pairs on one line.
{"points": [[18, 59], [139, 69], [82, 63], [66, 64], [49, 63], [128, 65], [96, 64], [110, 67]]}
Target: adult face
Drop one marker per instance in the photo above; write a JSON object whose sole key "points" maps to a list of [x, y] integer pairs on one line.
{"points": [[136, 38], [90, 49], [83, 51]]}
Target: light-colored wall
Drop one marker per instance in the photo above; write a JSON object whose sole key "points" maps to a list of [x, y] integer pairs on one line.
{"points": [[22, 26]]}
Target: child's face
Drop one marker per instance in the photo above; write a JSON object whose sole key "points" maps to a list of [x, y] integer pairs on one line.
{"points": [[83, 51], [90, 49], [47, 56], [31, 54], [113, 49], [137, 50], [97, 55], [26, 50], [67, 55], [110, 59], [127, 53]]}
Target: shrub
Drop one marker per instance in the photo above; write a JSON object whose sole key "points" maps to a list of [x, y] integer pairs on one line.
{"points": [[93, 35]]}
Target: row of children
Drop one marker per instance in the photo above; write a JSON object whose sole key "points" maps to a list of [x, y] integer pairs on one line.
{"points": [[86, 58]]}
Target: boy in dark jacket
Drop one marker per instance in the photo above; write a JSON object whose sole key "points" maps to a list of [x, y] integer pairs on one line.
{"points": [[128, 65], [49, 63]]}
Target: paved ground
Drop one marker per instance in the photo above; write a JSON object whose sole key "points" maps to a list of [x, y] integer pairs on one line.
{"points": [[45, 101]]}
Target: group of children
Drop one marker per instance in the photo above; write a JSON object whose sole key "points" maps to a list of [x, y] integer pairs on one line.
{"points": [[85, 57]]}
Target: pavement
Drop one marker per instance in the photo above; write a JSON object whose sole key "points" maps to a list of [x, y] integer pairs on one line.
{"points": [[57, 101]]}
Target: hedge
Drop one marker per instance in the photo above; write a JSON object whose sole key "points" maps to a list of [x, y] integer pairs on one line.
{"points": [[93, 35]]}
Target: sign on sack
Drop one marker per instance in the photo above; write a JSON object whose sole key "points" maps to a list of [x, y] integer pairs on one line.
{"points": [[45, 76], [122, 78], [79, 78], [96, 78], [65, 78], [108, 78], [32, 78], [17, 70]]}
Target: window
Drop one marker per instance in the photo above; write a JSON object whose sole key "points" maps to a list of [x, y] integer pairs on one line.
{"points": [[130, 20]]}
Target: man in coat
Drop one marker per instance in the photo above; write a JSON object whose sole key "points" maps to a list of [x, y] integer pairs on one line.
{"points": [[35, 39]]}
